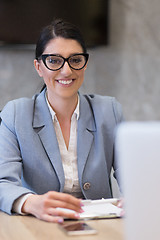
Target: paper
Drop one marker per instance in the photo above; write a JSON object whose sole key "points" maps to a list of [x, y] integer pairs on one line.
{"points": [[103, 208], [100, 209]]}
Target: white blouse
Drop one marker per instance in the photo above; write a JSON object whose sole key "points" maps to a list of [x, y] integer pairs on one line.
{"points": [[68, 156]]}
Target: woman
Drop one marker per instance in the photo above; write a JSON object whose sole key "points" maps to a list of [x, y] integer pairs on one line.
{"points": [[57, 148]]}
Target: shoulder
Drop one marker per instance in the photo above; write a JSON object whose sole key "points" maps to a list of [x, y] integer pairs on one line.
{"points": [[105, 106], [19, 108], [17, 105], [99, 99]]}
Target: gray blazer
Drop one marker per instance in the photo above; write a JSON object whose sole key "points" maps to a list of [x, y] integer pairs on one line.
{"points": [[30, 160]]}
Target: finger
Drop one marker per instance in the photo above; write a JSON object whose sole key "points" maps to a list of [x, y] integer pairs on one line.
{"points": [[64, 201], [65, 197], [120, 203], [62, 204], [63, 213], [122, 213], [51, 218], [71, 215]]}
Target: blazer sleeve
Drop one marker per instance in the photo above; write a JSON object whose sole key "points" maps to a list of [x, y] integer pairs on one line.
{"points": [[118, 114], [10, 160]]}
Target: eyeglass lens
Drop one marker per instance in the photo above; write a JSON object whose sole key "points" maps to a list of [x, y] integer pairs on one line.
{"points": [[56, 62]]}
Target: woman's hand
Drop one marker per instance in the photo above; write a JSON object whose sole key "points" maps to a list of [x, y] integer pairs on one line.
{"points": [[45, 206], [120, 204]]}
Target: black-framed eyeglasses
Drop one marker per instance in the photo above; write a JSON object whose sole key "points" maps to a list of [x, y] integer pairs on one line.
{"points": [[55, 62]]}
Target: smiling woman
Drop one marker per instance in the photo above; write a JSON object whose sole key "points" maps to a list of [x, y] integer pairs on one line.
{"points": [[58, 147]]}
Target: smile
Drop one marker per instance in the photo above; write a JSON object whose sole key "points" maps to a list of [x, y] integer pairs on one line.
{"points": [[65, 82]]}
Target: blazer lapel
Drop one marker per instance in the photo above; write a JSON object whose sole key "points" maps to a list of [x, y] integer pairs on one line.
{"points": [[86, 127], [43, 125]]}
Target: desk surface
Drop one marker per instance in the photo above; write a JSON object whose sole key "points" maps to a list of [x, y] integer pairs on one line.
{"points": [[30, 228]]}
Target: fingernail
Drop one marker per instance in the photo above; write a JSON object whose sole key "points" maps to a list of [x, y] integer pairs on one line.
{"points": [[81, 211], [76, 215], [81, 204], [60, 220], [119, 205]]}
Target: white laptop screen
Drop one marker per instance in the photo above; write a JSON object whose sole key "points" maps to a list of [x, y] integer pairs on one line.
{"points": [[138, 153]]}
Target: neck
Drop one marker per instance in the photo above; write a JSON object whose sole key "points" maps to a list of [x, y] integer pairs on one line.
{"points": [[63, 107]]}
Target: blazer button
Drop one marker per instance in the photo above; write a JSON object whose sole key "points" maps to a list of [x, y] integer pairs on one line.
{"points": [[86, 186]]}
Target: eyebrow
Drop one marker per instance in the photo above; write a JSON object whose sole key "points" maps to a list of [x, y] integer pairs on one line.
{"points": [[59, 55]]}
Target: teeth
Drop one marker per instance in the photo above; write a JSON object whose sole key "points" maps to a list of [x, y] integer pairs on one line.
{"points": [[65, 82]]}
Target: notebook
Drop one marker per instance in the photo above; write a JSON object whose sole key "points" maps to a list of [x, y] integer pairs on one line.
{"points": [[138, 153]]}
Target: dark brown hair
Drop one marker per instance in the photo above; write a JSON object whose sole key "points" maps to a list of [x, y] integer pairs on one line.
{"points": [[58, 28]]}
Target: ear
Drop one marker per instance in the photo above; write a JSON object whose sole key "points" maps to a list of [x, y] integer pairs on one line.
{"points": [[38, 67]]}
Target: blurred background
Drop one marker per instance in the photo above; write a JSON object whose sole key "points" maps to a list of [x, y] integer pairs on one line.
{"points": [[123, 39]]}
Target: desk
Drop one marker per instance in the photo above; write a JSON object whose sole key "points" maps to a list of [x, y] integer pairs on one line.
{"points": [[30, 228]]}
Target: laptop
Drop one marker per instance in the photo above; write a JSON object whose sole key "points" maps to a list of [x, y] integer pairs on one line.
{"points": [[138, 153]]}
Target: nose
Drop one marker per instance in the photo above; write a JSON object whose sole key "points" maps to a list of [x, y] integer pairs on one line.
{"points": [[66, 70]]}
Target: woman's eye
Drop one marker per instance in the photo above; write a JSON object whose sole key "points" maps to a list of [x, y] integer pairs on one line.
{"points": [[54, 61], [75, 60]]}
